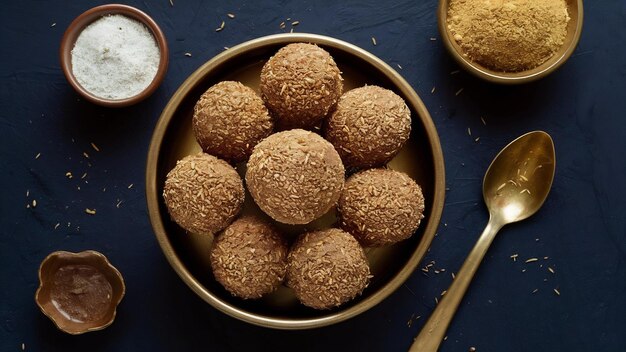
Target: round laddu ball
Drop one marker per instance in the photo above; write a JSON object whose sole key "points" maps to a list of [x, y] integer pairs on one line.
{"points": [[229, 120], [203, 194], [249, 258], [327, 268], [300, 84], [295, 176], [380, 207], [369, 126]]}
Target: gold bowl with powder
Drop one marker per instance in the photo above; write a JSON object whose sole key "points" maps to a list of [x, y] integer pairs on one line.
{"points": [[90, 16], [561, 54]]}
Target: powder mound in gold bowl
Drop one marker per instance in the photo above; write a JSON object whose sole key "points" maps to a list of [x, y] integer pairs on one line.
{"points": [[508, 35]]}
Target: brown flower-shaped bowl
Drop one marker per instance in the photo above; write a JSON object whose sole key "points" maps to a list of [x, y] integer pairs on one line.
{"points": [[79, 292]]}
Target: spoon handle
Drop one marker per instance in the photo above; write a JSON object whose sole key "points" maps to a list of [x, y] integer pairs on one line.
{"points": [[435, 328]]}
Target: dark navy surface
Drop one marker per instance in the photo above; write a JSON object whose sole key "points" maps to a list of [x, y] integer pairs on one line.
{"points": [[580, 231]]}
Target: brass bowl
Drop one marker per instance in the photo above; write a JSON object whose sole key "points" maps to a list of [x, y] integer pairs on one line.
{"points": [[173, 139], [86, 18], [86, 309], [574, 30]]}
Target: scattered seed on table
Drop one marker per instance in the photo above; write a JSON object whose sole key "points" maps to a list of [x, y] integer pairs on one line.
{"points": [[477, 139], [551, 270], [83, 176], [37, 156], [469, 131], [57, 225], [530, 260], [221, 26], [231, 15], [295, 23], [432, 91], [95, 147], [34, 203], [172, 3], [455, 72], [119, 203], [27, 193], [558, 293], [282, 25], [374, 41], [514, 257], [400, 67], [432, 39], [459, 91], [86, 155], [535, 290], [90, 211], [472, 349], [483, 120], [188, 54], [52, 25], [68, 174], [130, 186]]}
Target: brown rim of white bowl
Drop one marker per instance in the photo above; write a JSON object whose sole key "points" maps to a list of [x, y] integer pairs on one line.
{"points": [[89, 16]]}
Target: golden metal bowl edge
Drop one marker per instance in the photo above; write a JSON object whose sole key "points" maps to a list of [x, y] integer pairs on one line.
{"points": [[153, 195]]}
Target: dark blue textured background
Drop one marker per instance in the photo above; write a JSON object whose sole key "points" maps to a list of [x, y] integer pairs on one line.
{"points": [[581, 229]]}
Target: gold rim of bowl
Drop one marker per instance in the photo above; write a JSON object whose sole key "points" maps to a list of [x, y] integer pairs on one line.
{"points": [[334, 316]]}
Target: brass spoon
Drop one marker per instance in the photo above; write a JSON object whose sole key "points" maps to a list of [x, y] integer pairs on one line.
{"points": [[515, 186]]}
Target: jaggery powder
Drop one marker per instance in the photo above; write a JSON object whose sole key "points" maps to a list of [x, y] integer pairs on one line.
{"points": [[508, 35]]}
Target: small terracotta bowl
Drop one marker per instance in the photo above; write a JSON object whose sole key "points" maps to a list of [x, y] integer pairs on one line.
{"points": [[79, 292], [85, 19], [574, 30]]}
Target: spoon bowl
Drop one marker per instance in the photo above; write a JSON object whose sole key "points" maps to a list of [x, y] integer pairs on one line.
{"points": [[515, 186], [519, 178], [574, 30]]}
